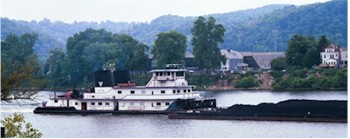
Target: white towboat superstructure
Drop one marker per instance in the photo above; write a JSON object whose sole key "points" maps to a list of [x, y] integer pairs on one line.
{"points": [[114, 92]]}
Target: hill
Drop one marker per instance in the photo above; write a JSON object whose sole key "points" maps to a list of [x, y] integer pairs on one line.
{"points": [[246, 30]]}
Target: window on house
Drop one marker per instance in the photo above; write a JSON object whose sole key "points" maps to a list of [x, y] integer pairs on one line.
{"points": [[76, 103], [162, 91], [119, 92], [158, 103], [168, 73], [99, 103], [92, 103], [107, 103], [157, 73], [132, 92], [161, 74], [167, 103]]}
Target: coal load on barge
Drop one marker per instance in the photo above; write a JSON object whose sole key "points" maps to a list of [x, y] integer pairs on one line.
{"points": [[289, 110]]}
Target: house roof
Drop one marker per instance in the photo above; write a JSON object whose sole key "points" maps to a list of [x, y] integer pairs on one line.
{"points": [[231, 54], [335, 47], [263, 59]]}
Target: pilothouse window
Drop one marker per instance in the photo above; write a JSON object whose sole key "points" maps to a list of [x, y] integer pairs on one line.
{"points": [[180, 73]]}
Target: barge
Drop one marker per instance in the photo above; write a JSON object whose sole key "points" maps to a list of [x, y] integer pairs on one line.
{"points": [[289, 110]]}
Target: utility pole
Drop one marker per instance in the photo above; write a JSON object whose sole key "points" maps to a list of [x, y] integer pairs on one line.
{"points": [[275, 33]]}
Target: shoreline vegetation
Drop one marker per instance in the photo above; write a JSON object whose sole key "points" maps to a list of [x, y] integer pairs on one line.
{"points": [[254, 81]]}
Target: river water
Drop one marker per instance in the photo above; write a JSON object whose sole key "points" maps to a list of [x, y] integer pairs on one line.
{"points": [[159, 126]]}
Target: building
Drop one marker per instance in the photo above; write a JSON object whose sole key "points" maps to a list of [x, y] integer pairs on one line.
{"points": [[258, 61], [234, 61], [344, 57], [330, 57]]}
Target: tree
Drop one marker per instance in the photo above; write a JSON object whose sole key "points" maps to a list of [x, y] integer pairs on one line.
{"points": [[93, 50], [20, 67], [56, 69], [169, 48], [323, 42], [207, 35], [278, 64], [78, 66], [129, 46], [140, 60], [299, 51], [13, 127]]}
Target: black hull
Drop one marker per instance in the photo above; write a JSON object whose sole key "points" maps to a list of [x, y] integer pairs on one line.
{"points": [[255, 118], [72, 110]]}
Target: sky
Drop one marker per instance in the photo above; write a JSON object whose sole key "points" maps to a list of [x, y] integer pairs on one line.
{"points": [[126, 10]]}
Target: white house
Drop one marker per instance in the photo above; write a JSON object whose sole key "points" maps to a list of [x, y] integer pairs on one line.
{"points": [[330, 57]]}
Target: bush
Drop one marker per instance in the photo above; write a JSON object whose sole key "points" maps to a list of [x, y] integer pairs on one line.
{"points": [[276, 74], [278, 64], [203, 80], [246, 82]]}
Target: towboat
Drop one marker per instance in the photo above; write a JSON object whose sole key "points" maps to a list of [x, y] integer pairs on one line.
{"points": [[167, 91]]}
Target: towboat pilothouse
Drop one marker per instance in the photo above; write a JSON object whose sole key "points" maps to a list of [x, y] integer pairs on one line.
{"points": [[167, 91]]}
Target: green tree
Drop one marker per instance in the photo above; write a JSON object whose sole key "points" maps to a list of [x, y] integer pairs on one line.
{"points": [[20, 67], [13, 127], [129, 47], [140, 61], [299, 51], [99, 54], [169, 48], [207, 35], [56, 69], [78, 66], [278, 64], [323, 42]]}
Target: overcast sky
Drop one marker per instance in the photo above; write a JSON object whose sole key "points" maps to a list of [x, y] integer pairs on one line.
{"points": [[126, 10]]}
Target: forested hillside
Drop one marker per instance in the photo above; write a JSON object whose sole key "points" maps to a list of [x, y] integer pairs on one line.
{"points": [[247, 30]]}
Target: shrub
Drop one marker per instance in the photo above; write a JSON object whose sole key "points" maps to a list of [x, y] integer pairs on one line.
{"points": [[246, 82]]}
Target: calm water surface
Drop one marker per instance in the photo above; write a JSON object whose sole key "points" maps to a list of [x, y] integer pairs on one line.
{"points": [[157, 126]]}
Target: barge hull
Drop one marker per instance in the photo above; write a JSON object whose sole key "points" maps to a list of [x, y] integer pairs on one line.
{"points": [[256, 118]]}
